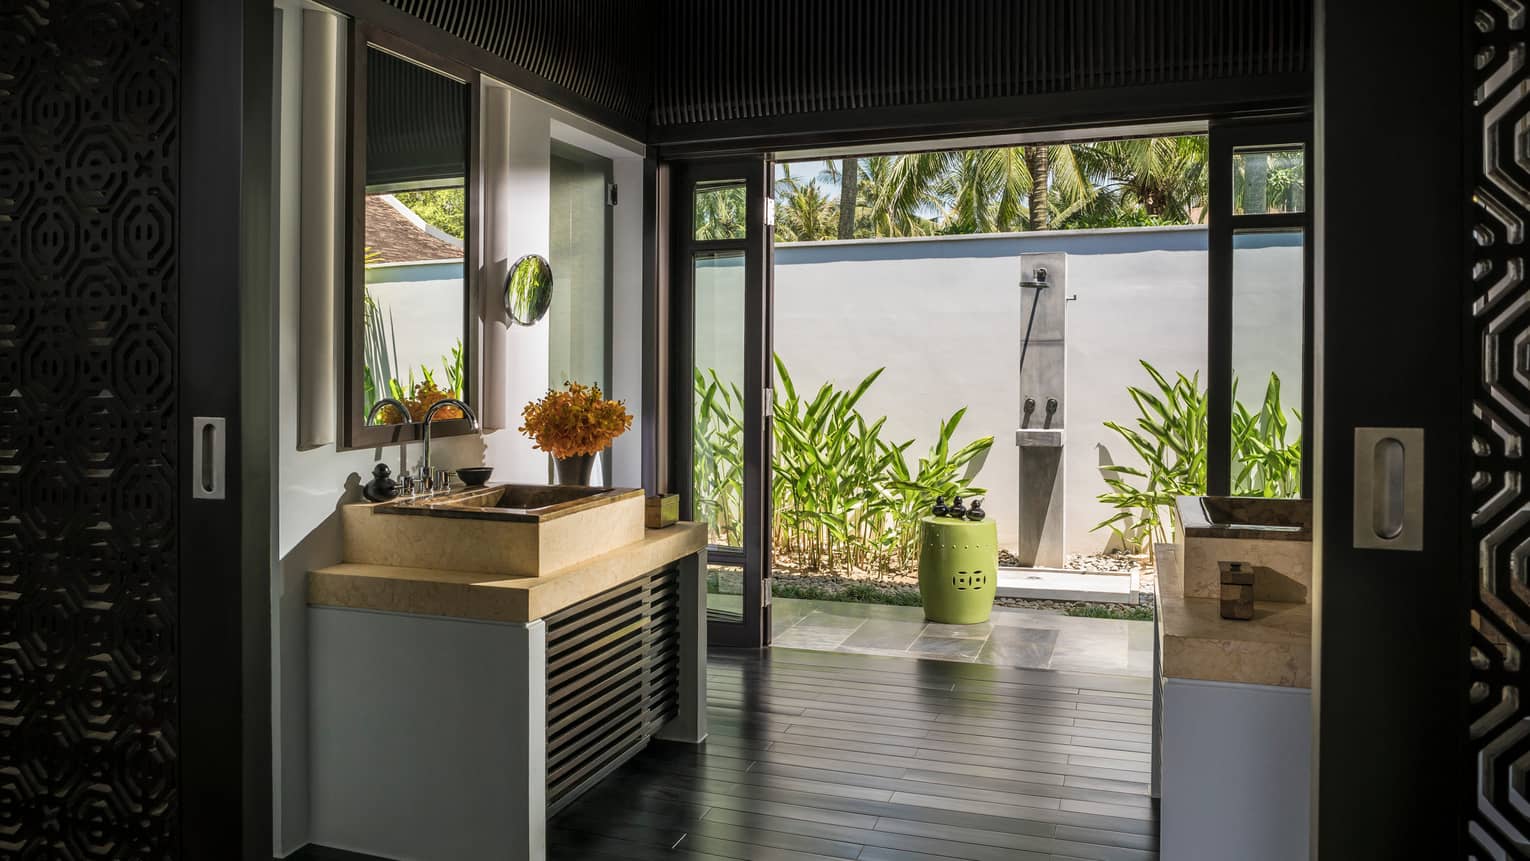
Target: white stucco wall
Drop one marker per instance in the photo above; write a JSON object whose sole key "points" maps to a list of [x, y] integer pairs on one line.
{"points": [[943, 315]]}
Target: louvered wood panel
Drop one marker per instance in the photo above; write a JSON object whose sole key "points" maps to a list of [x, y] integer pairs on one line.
{"points": [[613, 679]]}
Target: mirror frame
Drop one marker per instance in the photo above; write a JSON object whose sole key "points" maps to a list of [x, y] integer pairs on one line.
{"points": [[354, 432]]}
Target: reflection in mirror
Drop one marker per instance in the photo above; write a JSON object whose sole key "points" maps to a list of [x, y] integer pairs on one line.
{"points": [[414, 308], [528, 289]]}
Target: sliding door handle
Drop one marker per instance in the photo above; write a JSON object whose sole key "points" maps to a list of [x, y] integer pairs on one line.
{"points": [[1389, 488], [208, 445]]}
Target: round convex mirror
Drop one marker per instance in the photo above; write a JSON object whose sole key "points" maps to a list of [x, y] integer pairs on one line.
{"points": [[528, 289]]}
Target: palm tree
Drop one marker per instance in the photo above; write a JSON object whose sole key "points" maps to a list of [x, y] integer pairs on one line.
{"points": [[1164, 178], [803, 212], [721, 212], [850, 174]]}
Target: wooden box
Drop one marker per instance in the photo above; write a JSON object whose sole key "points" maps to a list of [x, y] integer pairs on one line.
{"points": [[661, 511]]}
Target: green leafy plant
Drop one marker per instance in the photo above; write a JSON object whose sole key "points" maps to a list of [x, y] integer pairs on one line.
{"points": [[843, 497], [1170, 439]]}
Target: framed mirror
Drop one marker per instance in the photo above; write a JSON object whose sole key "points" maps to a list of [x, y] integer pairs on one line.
{"points": [[411, 331], [529, 289]]}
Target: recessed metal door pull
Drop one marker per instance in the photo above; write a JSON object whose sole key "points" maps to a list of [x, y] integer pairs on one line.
{"points": [[1389, 488]]}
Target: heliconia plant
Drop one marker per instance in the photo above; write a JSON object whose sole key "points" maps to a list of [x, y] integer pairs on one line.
{"points": [[1170, 439], [843, 497]]}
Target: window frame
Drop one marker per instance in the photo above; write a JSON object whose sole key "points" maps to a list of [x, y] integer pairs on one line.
{"points": [[1222, 227]]}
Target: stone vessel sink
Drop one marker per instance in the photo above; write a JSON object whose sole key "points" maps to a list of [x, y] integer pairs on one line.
{"points": [[518, 530]]}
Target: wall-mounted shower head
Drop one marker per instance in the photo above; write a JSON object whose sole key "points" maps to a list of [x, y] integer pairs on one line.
{"points": [[1038, 279]]}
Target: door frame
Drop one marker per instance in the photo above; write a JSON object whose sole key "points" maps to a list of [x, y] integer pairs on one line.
{"points": [[1223, 137], [753, 629]]}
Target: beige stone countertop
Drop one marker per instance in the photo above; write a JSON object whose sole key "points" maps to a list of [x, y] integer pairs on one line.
{"points": [[496, 598], [1273, 648]]}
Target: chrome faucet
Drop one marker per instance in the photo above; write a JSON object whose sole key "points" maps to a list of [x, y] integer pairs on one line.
{"points": [[389, 402], [428, 478]]}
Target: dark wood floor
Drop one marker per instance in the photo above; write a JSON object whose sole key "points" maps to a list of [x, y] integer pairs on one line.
{"points": [[824, 755]]}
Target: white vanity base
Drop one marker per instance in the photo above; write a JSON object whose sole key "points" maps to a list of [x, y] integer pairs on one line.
{"points": [[440, 764], [1237, 770], [428, 734]]}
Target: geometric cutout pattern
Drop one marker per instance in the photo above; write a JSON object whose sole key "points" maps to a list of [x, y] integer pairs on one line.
{"points": [[89, 162], [1498, 825]]}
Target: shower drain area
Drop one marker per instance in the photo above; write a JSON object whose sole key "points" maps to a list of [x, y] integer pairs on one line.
{"points": [[1060, 584]]}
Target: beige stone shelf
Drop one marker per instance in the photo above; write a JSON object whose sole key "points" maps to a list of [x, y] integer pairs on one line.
{"points": [[1273, 648], [493, 597]]}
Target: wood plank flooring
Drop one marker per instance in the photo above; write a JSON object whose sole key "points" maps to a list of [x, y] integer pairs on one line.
{"points": [[820, 755]]}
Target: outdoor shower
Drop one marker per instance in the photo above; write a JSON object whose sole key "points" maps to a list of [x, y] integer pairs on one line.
{"points": [[1042, 383]]}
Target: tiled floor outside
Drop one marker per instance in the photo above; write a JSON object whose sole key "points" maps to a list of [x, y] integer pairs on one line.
{"points": [[1012, 637]]}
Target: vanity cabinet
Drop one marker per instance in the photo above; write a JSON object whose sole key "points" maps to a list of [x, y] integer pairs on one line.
{"points": [[445, 728]]}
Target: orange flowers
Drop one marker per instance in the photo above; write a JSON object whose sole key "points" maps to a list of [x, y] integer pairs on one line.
{"points": [[577, 420], [425, 394]]}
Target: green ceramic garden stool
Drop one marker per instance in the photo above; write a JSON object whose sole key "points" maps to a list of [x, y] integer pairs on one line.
{"points": [[958, 569]]}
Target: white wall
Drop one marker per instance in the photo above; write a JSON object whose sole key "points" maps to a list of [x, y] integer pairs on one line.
{"points": [[943, 316], [313, 482], [421, 303]]}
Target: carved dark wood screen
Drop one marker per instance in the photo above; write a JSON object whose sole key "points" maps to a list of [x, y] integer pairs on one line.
{"points": [[88, 323], [1498, 825]]}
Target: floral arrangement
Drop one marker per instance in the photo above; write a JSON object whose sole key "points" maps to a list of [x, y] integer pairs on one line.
{"points": [[576, 420]]}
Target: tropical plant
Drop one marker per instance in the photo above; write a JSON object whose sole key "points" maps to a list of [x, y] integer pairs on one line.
{"points": [[1170, 439], [1267, 463], [1118, 183], [574, 421], [803, 212], [843, 497], [720, 211], [717, 463], [442, 208]]}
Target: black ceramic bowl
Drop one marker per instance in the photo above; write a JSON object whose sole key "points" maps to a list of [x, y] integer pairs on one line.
{"points": [[475, 476]]}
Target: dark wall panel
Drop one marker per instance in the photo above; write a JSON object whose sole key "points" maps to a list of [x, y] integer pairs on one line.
{"points": [[89, 295], [733, 60]]}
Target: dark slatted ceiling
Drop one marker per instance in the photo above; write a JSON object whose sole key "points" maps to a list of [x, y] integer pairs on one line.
{"points": [[596, 49], [730, 60]]}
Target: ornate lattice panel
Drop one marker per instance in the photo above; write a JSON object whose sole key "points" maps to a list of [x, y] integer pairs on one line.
{"points": [[1499, 824], [88, 302]]}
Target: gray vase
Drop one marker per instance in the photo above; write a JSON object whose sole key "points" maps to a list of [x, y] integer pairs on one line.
{"points": [[575, 469]]}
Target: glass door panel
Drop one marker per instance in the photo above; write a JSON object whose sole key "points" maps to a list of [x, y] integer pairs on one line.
{"points": [[717, 420], [1267, 349], [720, 299]]}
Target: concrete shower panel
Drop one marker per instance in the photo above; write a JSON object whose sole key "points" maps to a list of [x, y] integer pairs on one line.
{"points": [[1040, 434]]}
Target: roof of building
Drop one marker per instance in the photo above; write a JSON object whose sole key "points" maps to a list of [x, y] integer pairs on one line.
{"points": [[391, 237]]}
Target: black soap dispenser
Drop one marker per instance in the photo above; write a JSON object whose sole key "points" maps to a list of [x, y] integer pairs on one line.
{"points": [[976, 512], [382, 487]]}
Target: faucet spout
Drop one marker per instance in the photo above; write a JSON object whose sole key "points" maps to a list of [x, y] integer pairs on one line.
{"points": [[389, 402], [430, 418]]}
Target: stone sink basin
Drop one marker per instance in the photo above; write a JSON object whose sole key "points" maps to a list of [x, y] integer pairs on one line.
{"points": [[516, 530]]}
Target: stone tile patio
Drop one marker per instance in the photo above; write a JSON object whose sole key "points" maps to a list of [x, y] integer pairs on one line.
{"points": [[1033, 639]]}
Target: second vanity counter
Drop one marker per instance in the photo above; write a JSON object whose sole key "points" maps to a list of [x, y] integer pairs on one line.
{"points": [[493, 597]]}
